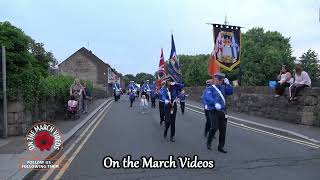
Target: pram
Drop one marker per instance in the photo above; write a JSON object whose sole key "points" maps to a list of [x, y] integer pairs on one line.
{"points": [[72, 109]]}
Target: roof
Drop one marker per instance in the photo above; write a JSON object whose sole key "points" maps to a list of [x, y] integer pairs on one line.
{"points": [[84, 51]]}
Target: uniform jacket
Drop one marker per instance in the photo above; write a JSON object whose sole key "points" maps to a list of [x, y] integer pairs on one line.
{"points": [[211, 97]]}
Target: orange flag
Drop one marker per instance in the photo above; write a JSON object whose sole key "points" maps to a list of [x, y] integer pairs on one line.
{"points": [[214, 66]]}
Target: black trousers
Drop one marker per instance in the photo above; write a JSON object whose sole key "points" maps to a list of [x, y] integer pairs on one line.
{"points": [[153, 102], [218, 120], [280, 89], [147, 96], [131, 101], [182, 105], [296, 88], [208, 124], [162, 112], [115, 96], [170, 119]]}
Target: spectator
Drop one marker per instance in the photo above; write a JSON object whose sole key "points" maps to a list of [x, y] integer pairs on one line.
{"points": [[86, 95], [76, 90], [302, 80], [285, 80]]}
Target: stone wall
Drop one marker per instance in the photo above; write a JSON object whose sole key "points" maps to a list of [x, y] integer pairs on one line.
{"points": [[260, 101], [19, 121]]}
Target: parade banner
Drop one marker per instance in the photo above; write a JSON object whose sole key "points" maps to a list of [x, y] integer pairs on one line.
{"points": [[227, 45], [161, 70], [112, 77], [173, 68]]}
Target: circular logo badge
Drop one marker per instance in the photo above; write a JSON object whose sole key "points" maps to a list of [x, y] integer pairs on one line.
{"points": [[43, 137]]}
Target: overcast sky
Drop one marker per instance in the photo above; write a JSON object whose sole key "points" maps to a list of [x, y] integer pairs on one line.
{"points": [[128, 34]]}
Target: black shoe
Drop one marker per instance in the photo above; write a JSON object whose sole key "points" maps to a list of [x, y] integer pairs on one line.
{"points": [[209, 147], [172, 139], [222, 150]]}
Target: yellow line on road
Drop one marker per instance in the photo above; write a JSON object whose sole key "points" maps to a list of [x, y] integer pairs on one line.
{"points": [[60, 174], [297, 141], [62, 157]]}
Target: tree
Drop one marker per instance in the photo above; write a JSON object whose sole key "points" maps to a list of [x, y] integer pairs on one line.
{"points": [[310, 63], [263, 54], [142, 77], [25, 64]]}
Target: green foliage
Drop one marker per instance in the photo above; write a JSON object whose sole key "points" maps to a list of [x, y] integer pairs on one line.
{"points": [[27, 65], [263, 54], [194, 69], [142, 77], [309, 61]]}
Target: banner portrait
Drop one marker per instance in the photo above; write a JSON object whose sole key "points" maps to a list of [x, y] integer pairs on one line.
{"points": [[227, 45]]}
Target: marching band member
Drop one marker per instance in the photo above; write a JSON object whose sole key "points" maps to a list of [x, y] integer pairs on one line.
{"points": [[171, 107], [116, 91], [182, 99], [163, 96], [214, 101]]}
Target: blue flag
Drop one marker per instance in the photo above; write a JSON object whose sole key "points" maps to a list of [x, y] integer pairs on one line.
{"points": [[173, 64]]}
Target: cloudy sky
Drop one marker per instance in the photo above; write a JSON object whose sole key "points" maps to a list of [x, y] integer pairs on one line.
{"points": [[128, 34]]}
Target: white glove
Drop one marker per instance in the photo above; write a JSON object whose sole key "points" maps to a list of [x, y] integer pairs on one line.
{"points": [[226, 81], [217, 106], [166, 101], [172, 83]]}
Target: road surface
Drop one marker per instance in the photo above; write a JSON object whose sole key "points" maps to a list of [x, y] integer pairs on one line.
{"points": [[124, 131]]}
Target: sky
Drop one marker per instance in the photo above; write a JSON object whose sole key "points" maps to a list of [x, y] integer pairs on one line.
{"points": [[129, 34]]}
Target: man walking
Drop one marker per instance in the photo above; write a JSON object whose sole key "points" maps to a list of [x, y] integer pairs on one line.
{"points": [[214, 101]]}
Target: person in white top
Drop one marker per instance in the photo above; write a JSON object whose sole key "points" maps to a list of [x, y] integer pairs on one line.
{"points": [[285, 80], [302, 80], [143, 104]]}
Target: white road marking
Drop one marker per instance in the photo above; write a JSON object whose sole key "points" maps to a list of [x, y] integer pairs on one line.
{"points": [[306, 143]]}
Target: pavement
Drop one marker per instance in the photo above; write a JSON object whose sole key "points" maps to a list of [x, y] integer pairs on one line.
{"points": [[310, 133], [13, 148], [251, 155]]}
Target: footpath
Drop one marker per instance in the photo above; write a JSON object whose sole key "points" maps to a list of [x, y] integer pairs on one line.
{"points": [[303, 132], [13, 148]]}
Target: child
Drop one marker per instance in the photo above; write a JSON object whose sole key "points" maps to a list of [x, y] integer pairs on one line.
{"points": [[182, 98], [143, 104], [72, 104], [131, 97]]}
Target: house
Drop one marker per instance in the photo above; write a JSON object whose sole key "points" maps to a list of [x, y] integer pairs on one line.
{"points": [[83, 64]]}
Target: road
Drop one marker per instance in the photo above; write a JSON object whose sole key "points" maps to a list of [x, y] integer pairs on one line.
{"points": [[251, 155]]}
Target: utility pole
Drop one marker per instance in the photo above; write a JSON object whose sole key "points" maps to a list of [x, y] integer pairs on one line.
{"points": [[4, 80]]}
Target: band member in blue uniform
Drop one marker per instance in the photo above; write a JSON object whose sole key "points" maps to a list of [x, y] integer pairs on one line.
{"points": [[153, 95], [116, 91], [163, 96], [182, 98], [206, 111], [132, 87], [146, 88], [171, 107], [214, 101], [131, 97]]}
